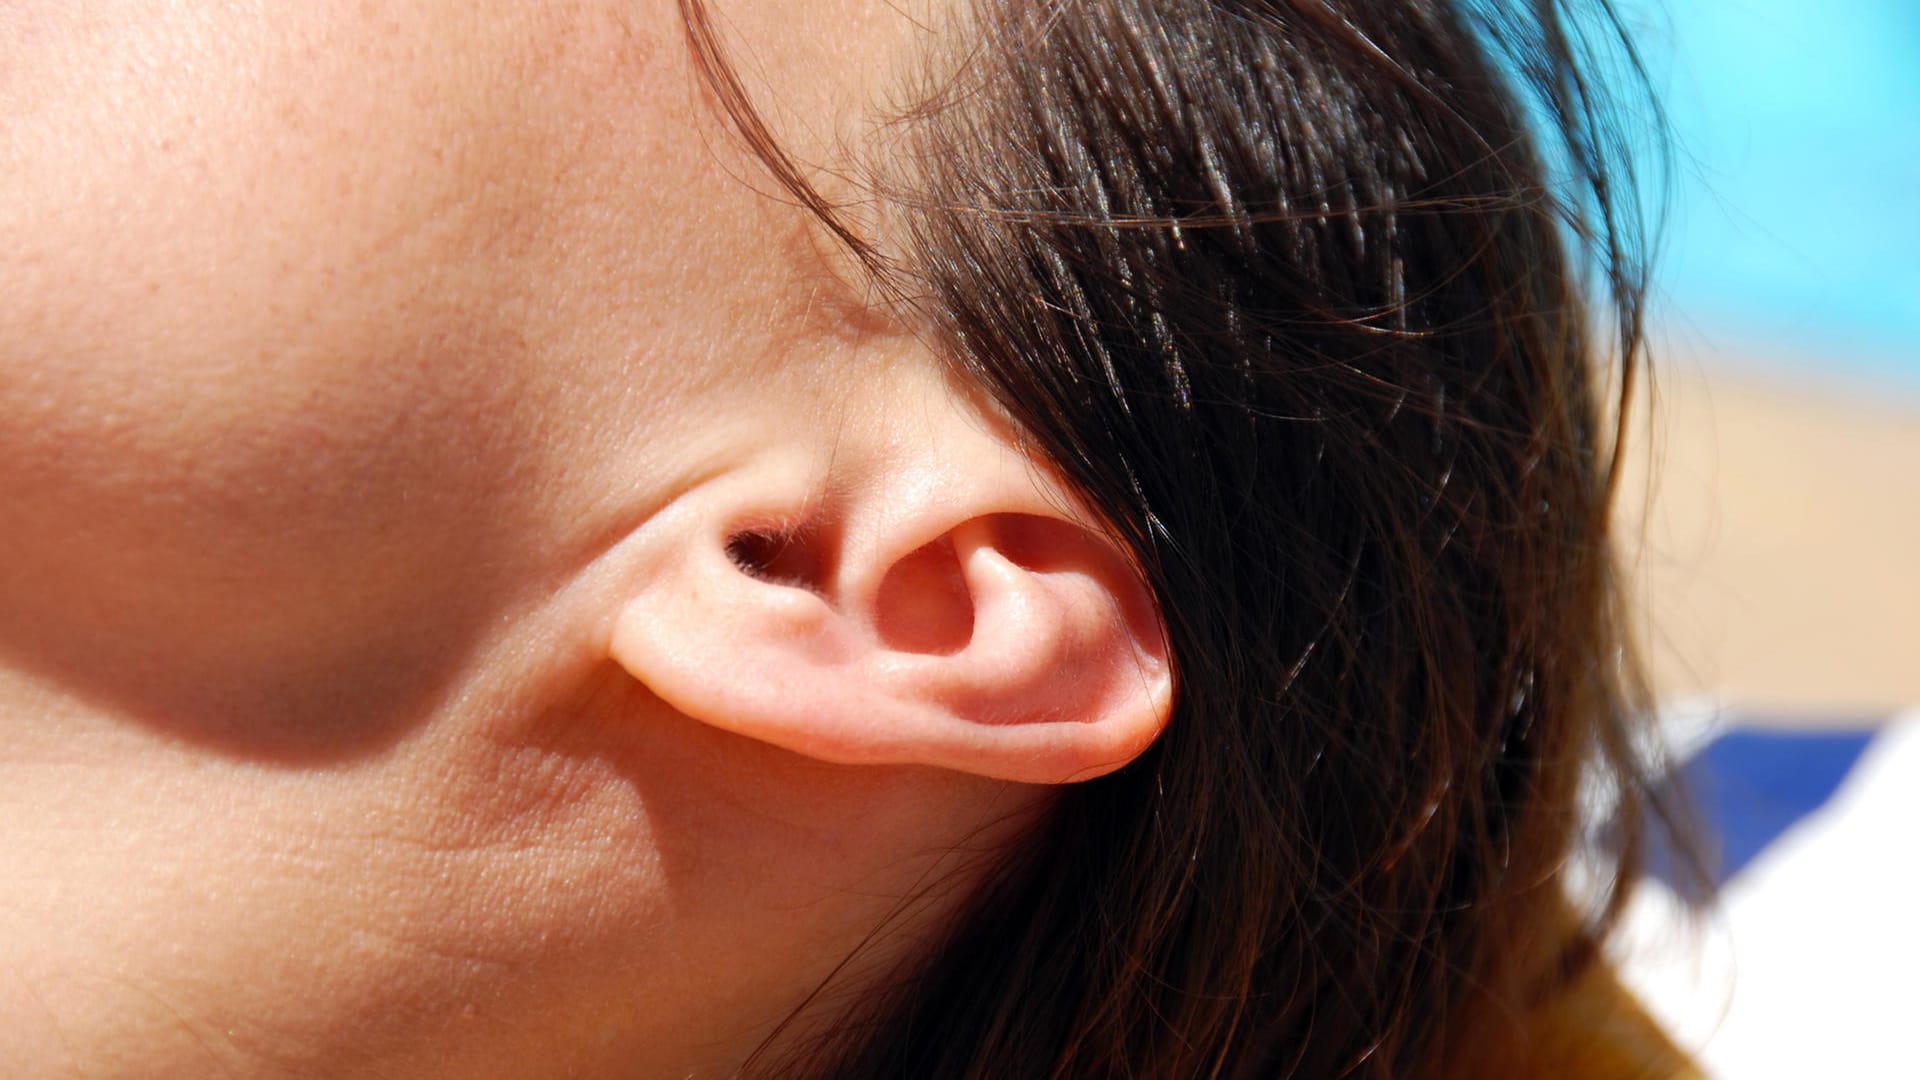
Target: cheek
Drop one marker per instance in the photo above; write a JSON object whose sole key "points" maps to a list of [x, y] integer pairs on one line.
{"points": [[322, 343], [261, 414], [211, 550]]}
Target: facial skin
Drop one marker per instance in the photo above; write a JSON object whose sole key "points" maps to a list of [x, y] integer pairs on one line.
{"points": [[358, 364]]}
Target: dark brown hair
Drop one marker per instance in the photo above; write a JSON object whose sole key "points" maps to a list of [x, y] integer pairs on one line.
{"points": [[1296, 295]]}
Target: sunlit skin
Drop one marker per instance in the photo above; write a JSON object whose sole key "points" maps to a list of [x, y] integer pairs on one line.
{"points": [[362, 369]]}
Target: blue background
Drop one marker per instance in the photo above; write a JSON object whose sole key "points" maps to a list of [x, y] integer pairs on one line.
{"points": [[1795, 222]]}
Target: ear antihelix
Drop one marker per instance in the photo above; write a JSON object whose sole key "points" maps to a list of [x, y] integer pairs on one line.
{"points": [[1054, 636], [1022, 630]]}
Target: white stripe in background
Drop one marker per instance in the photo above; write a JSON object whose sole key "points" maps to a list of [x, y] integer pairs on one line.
{"points": [[1809, 966]]}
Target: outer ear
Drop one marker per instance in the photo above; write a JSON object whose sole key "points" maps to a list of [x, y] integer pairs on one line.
{"points": [[955, 620]]}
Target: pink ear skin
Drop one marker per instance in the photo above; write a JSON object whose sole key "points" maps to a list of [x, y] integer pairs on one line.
{"points": [[967, 624]]}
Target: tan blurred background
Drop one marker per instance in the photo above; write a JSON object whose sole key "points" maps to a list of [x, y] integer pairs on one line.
{"points": [[1776, 516]]}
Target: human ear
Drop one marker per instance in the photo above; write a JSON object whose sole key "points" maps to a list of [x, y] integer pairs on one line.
{"points": [[941, 608]]}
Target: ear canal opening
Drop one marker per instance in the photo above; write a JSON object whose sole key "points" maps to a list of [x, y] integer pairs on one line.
{"points": [[924, 605], [778, 557]]}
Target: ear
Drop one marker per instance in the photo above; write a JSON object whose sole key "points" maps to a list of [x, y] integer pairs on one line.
{"points": [[943, 609]]}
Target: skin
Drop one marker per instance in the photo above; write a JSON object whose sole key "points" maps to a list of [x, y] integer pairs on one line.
{"points": [[351, 360]]}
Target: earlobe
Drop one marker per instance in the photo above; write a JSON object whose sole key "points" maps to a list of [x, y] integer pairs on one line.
{"points": [[1009, 643]]}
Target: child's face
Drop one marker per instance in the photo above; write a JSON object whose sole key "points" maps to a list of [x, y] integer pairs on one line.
{"points": [[341, 344]]}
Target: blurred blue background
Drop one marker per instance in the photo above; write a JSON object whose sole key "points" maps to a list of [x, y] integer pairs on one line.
{"points": [[1795, 225]]}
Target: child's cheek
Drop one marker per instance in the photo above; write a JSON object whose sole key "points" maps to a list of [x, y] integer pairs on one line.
{"points": [[265, 419]]}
